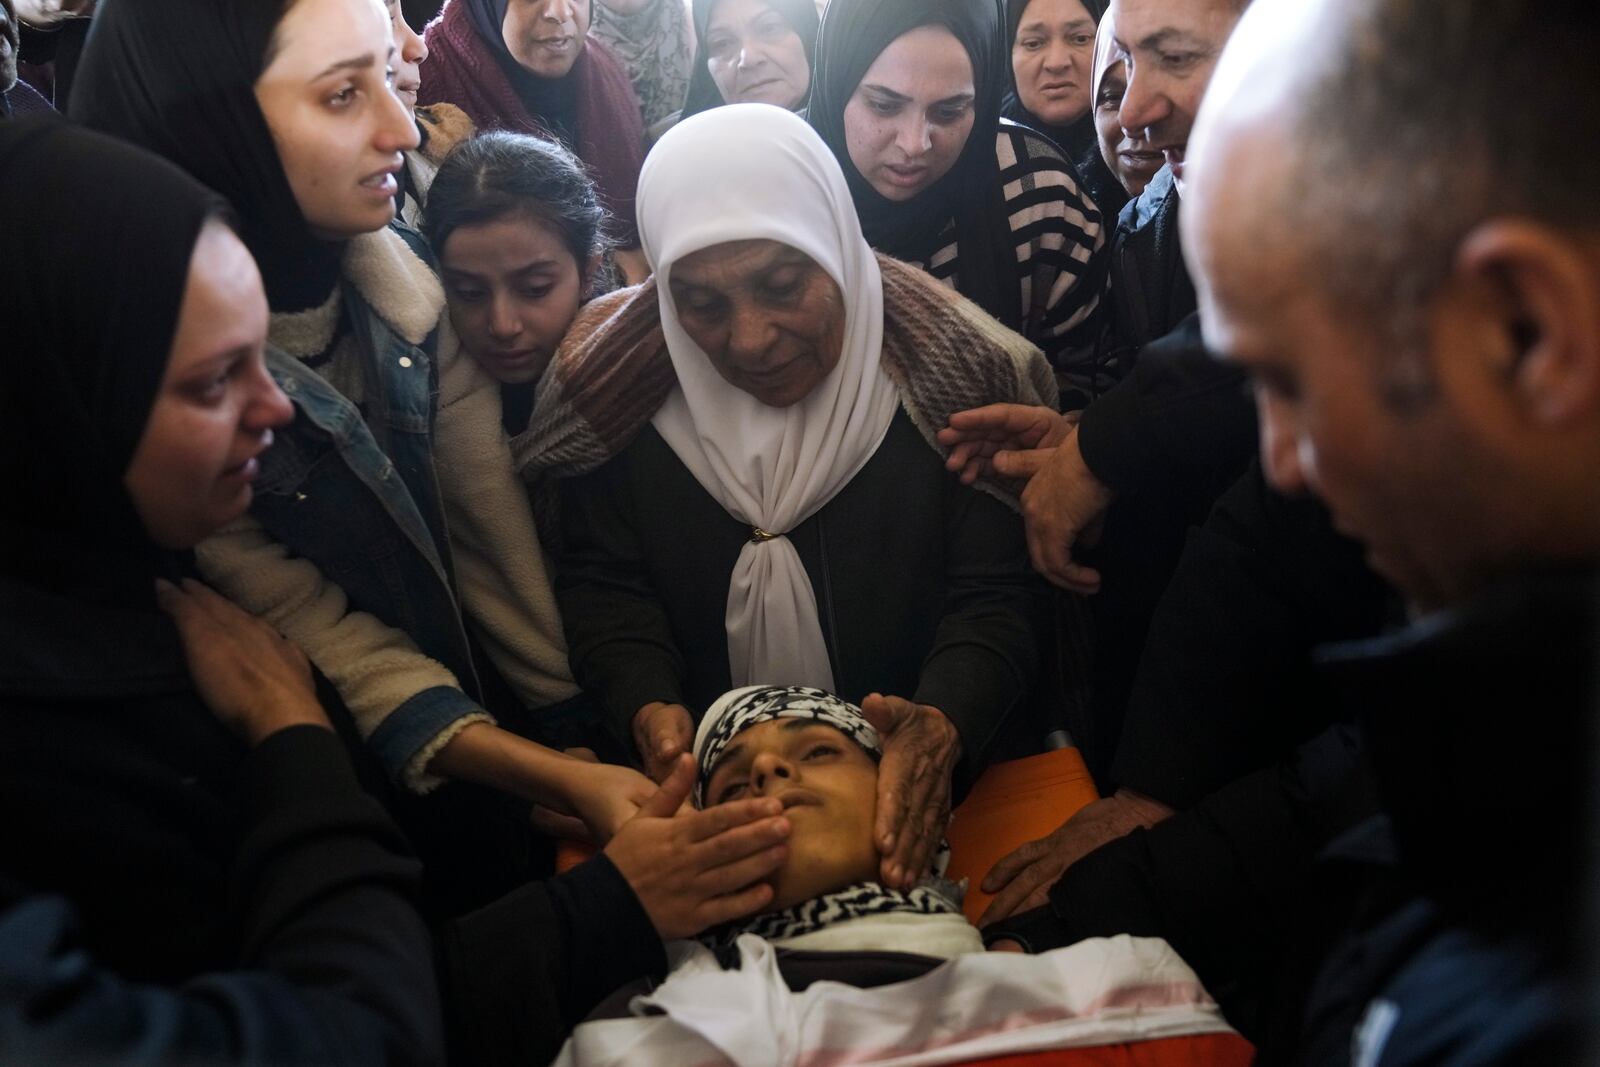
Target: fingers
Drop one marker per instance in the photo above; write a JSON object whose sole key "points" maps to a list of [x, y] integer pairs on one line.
{"points": [[675, 788], [719, 910], [662, 732], [1007, 867], [885, 713], [704, 825], [1022, 465], [554, 824], [921, 829], [1027, 892], [1077, 578], [730, 877], [1001, 418], [1005, 944]]}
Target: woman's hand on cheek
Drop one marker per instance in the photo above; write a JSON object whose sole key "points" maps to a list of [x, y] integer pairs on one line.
{"points": [[920, 750], [701, 869], [253, 679]]}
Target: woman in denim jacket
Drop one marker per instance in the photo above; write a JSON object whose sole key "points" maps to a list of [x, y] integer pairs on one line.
{"points": [[388, 512]]}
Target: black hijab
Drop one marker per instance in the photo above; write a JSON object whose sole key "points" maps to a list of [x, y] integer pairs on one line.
{"points": [[178, 77], [98, 239], [1077, 138], [553, 100], [801, 15], [854, 33]]}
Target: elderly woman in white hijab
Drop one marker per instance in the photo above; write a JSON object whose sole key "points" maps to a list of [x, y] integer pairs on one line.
{"points": [[763, 499]]}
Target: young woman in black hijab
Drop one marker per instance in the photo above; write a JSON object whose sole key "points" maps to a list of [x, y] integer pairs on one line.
{"points": [[907, 94], [752, 51], [287, 110], [169, 776]]}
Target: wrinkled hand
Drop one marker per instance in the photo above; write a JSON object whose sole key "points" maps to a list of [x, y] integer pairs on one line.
{"points": [[975, 435], [1022, 880], [920, 750], [662, 732], [697, 870], [251, 678], [1061, 504]]}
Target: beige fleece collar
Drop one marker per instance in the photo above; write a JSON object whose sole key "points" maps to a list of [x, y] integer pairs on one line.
{"points": [[402, 289]]}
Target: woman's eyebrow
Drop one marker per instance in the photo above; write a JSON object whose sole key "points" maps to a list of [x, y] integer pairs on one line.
{"points": [[354, 63]]}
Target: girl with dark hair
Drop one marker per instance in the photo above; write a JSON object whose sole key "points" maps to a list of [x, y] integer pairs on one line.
{"points": [[752, 52], [520, 237], [531, 66], [907, 94], [288, 111]]}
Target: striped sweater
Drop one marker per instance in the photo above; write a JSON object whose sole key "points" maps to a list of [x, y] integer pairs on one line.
{"points": [[1061, 248]]}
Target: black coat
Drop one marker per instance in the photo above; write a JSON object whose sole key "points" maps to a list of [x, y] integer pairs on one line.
{"points": [[184, 854], [1168, 439], [1428, 852], [923, 587]]}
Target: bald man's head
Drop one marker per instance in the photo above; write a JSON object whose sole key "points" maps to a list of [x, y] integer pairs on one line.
{"points": [[1407, 122], [1390, 224]]}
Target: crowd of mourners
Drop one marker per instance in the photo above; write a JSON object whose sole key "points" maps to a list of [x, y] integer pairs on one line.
{"points": [[520, 534]]}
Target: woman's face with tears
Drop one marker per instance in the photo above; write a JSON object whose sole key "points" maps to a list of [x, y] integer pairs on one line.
{"points": [[829, 787]]}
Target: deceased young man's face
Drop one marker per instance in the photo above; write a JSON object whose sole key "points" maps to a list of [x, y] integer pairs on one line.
{"points": [[829, 787]]}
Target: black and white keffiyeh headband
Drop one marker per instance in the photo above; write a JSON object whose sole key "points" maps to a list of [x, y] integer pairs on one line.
{"points": [[736, 712]]}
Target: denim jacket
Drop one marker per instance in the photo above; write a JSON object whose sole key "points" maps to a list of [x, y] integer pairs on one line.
{"points": [[359, 497]]}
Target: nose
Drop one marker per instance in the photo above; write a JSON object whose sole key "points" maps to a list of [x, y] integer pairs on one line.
{"points": [[1058, 57], [914, 136], [503, 323], [1282, 454], [559, 10], [1143, 103], [769, 772], [750, 56], [750, 335], [266, 405], [397, 130], [413, 49]]}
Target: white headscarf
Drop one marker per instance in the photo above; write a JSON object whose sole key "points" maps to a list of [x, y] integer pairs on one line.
{"points": [[744, 172]]}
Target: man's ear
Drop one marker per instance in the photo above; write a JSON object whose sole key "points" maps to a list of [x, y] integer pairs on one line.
{"points": [[1546, 290]]}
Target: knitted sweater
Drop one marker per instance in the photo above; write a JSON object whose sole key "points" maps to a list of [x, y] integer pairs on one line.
{"points": [[612, 373]]}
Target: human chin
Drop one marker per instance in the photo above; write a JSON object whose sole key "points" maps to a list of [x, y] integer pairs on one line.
{"points": [[550, 58]]}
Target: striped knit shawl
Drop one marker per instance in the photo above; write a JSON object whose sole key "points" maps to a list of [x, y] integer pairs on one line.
{"points": [[613, 372]]}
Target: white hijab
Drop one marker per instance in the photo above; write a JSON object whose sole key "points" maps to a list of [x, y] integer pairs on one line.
{"points": [[743, 172]]}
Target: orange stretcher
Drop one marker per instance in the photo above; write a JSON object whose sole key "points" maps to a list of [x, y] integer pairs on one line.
{"points": [[1011, 804]]}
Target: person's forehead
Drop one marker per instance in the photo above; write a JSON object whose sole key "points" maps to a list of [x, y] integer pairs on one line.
{"points": [[733, 14], [735, 258], [1246, 261], [317, 33], [1139, 22]]}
